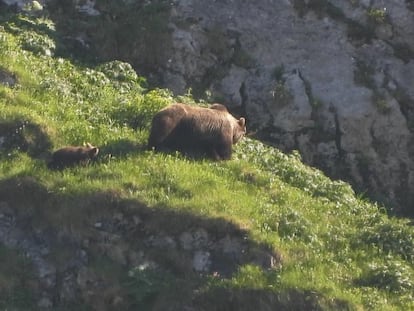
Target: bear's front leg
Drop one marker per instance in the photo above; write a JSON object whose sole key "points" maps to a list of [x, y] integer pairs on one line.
{"points": [[223, 151], [214, 154]]}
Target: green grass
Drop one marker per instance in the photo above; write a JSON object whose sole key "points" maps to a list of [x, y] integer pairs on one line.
{"points": [[338, 251]]}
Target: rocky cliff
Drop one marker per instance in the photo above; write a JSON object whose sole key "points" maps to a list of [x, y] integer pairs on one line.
{"points": [[331, 78]]}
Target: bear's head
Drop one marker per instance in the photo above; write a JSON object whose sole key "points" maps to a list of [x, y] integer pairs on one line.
{"points": [[239, 130]]}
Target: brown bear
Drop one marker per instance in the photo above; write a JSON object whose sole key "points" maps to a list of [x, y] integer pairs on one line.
{"points": [[73, 155], [196, 130]]}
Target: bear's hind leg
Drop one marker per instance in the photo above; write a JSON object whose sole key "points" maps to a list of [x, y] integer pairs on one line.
{"points": [[221, 151]]}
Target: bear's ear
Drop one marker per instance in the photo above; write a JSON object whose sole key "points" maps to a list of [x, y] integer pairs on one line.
{"points": [[88, 145], [242, 122]]}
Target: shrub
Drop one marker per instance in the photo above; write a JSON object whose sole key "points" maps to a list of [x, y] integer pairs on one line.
{"points": [[377, 16], [39, 44], [145, 283], [281, 95], [294, 226], [122, 75], [393, 276], [138, 112], [397, 239]]}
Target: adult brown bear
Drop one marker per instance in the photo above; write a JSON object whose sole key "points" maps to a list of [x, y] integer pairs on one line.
{"points": [[196, 130], [73, 155]]}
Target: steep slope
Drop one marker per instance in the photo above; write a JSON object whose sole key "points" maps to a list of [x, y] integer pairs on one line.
{"points": [[149, 231], [330, 78]]}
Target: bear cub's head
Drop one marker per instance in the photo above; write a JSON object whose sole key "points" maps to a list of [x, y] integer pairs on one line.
{"points": [[91, 150]]}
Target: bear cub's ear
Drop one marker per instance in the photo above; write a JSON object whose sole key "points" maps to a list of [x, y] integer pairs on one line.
{"points": [[242, 122]]}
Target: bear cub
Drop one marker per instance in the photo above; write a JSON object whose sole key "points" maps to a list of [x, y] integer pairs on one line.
{"points": [[73, 155]]}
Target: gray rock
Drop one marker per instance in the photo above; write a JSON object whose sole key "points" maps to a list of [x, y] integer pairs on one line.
{"points": [[161, 241], [349, 97], [195, 240], [45, 303], [201, 261], [88, 7], [231, 246]]}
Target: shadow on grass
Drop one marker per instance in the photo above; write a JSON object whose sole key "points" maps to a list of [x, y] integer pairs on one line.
{"points": [[24, 135], [7, 78], [122, 148], [151, 258]]}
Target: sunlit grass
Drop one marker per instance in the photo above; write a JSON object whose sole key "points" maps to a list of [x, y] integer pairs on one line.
{"points": [[331, 242]]}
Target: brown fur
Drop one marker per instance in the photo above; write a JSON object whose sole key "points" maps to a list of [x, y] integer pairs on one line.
{"points": [[73, 155], [219, 107], [196, 130]]}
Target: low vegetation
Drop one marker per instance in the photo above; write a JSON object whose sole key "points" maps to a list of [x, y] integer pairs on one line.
{"points": [[337, 251]]}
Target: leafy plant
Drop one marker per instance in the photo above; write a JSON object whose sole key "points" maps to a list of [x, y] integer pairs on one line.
{"points": [[144, 283], [392, 276], [395, 239], [121, 72], [281, 95], [381, 103], [377, 16], [292, 226]]}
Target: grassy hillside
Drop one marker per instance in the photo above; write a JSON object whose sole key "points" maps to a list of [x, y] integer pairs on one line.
{"points": [[330, 250]]}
